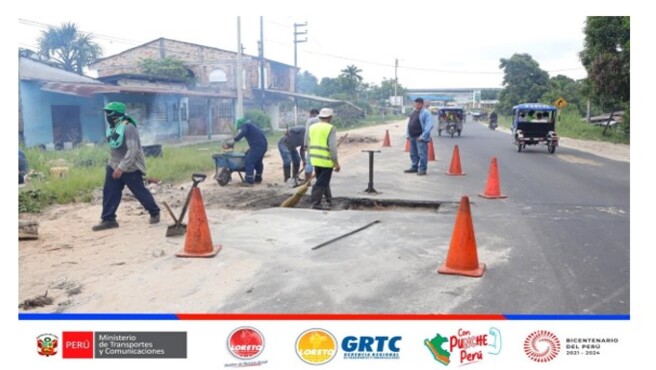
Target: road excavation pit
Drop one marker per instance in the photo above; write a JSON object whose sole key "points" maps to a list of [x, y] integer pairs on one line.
{"points": [[346, 204]]}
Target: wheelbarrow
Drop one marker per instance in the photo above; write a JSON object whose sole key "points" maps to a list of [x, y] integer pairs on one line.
{"points": [[227, 163]]}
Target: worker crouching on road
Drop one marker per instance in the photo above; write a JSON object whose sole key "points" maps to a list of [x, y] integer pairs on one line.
{"points": [[322, 145], [291, 159], [127, 166], [257, 146]]}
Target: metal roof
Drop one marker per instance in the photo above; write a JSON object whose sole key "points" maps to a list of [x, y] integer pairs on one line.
{"points": [[534, 106], [33, 70], [81, 89], [310, 97]]}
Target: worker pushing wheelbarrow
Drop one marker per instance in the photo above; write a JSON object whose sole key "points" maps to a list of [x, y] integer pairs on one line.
{"points": [[252, 164], [228, 162]]}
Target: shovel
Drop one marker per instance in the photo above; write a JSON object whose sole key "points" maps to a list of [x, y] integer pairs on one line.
{"points": [[179, 228]]}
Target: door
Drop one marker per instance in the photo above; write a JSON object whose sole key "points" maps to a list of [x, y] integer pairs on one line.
{"points": [[66, 125]]}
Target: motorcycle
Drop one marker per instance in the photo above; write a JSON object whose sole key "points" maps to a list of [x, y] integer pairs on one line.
{"points": [[452, 128], [492, 125]]}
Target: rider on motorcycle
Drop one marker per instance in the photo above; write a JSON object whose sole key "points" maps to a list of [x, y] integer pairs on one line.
{"points": [[493, 121]]}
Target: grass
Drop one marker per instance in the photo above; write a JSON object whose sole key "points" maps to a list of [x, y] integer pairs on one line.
{"points": [[571, 125], [86, 170]]}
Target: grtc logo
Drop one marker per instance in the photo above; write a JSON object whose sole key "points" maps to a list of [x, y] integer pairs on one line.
{"points": [[542, 346], [245, 343], [371, 347], [316, 346]]}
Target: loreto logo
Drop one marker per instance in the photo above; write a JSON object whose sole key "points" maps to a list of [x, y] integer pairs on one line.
{"points": [[464, 347], [47, 344], [316, 346], [542, 346], [368, 348], [245, 343]]}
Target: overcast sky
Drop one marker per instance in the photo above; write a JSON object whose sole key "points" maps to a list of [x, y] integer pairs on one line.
{"points": [[436, 45]]}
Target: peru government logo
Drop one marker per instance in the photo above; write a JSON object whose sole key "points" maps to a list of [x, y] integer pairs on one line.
{"points": [[464, 347], [316, 346], [47, 344], [245, 343], [542, 346]]}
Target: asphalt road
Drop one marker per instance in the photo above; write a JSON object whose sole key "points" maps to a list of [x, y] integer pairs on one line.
{"points": [[566, 222]]}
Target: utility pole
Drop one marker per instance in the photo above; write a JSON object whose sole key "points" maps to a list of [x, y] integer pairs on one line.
{"points": [[396, 79], [240, 94], [262, 66], [297, 33]]}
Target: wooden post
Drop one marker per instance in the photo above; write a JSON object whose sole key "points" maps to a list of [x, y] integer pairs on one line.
{"points": [[610, 118]]}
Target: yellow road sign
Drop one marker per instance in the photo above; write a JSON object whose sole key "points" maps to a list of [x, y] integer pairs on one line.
{"points": [[560, 103]]}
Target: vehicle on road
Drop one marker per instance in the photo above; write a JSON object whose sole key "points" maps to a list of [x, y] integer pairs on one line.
{"points": [[534, 123], [450, 119], [479, 114], [492, 124]]}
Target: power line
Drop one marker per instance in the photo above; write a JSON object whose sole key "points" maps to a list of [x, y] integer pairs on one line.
{"points": [[369, 62]]}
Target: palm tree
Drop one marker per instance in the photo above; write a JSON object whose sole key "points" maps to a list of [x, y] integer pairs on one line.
{"points": [[68, 48], [352, 73], [351, 79]]}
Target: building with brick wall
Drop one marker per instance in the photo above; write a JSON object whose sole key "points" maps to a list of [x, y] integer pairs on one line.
{"points": [[213, 72]]}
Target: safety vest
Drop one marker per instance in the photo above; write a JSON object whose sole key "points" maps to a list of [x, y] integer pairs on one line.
{"points": [[319, 150]]}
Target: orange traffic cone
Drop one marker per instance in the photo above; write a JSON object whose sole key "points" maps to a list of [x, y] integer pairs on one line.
{"points": [[407, 144], [431, 150], [462, 258], [492, 188], [386, 141], [198, 241], [455, 169]]}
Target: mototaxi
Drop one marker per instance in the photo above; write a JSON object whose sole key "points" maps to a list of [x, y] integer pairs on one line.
{"points": [[534, 123]]}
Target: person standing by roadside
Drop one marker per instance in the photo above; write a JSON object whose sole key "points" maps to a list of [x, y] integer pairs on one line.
{"points": [[126, 167], [420, 125], [312, 120], [322, 146]]}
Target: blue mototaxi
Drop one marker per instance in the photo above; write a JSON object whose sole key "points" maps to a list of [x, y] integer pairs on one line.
{"points": [[450, 119], [534, 123]]}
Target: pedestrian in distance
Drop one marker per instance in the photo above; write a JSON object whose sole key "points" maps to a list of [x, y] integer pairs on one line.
{"points": [[322, 146], [419, 128], [292, 151], [257, 146], [126, 167], [312, 120]]}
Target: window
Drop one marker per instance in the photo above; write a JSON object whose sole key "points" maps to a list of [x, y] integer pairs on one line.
{"points": [[218, 75]]}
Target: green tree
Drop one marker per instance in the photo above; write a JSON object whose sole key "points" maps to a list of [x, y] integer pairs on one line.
{"points": [[28, 53], [523, 81], [351, 79], [166, 67], [569, 89], [606, 57], [68, 48], [329, 87], [307, 83], [490, 94]]}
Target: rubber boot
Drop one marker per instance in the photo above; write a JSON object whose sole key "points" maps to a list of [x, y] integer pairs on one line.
{"points": [[286, 172], [329, 196], [315, 197]]}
